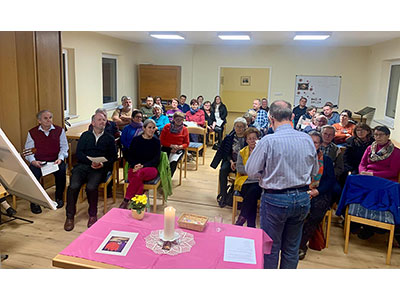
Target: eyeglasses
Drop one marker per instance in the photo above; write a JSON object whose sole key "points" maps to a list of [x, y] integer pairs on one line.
{"points": [[138, 117], [379, 134]]}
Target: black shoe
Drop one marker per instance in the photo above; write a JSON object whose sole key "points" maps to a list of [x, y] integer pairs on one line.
{"points": [[221, 201], [365, 234], [10, 211], [215, 146], [35, 208], [302, 254], [240, 221], [60, 203]]}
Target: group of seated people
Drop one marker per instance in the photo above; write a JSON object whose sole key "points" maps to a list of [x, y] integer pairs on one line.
{"points": [[343, 146]]}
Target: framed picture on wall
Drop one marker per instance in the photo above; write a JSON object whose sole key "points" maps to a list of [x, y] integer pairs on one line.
{"points": [[245, 80]]}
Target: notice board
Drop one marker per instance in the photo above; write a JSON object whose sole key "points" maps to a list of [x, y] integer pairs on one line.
{"points": [[317, 89]]}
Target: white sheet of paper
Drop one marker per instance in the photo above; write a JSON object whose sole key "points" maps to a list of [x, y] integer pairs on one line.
{"points": [[49, 168], [190, 124], [239, 250], [219, 122], [98, 160], [117, 237], [174, 157]]}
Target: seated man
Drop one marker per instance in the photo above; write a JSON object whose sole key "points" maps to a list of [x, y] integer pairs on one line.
{"points": [[92, 143], [111, 126], [147, 110], [183, 106], [299, 110], [122, 115], [333, 116], [228, 153], [51, 145], [330, 149]]}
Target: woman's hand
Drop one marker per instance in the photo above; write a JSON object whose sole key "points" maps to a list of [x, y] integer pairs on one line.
{"points": [[233, 165], [137, 168]]}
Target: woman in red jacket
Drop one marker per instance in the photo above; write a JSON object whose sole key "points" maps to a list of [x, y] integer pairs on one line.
{"points": [[175, 138], [195, 114]]}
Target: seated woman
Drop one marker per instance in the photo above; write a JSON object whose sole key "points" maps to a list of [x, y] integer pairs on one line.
{"points": [[320, 194], [196, 115], [134, 128], [159, 119], [143, 157], [355, 148], [317, 121], [305, 119], [174, 109], [344, 129], [381, 159], [209, 117], [248, 187], [175, 138], [250, 117], [228, 153], [158, 101]]}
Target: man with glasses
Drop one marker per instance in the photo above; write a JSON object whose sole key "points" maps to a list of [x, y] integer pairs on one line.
{"points": [[122, 115]]}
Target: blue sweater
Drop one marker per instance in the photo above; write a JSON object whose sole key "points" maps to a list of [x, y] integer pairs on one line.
{"points": [[373, 193]]}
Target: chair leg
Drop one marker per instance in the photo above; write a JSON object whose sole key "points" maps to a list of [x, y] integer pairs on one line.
{"points": [[328, 229], [197, 160], [347, 234], [185, 162], [234, 209], [14, 201], [180, 171], [155, 200], [390, 245], [105, 199]]}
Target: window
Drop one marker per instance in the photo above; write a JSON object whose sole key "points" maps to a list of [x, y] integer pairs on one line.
{"points": [[393, 91], [65, 83], [109, 81]]}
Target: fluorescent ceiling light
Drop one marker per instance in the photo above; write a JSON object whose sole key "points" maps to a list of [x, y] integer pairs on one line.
{"points": [[309, 36], [234, 36], [167, 36]]}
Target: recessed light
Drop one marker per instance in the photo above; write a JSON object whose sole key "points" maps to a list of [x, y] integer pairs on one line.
{"points": [[234, 36], [311, 36], [167, 36]]}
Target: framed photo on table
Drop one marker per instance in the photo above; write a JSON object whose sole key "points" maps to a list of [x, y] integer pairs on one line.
{"points": [[245, 80]]}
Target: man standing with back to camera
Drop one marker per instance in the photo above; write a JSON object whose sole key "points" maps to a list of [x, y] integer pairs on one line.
{"points": [[285, 162]]}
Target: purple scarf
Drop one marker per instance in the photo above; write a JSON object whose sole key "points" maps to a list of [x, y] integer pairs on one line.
{"points": [[138, 127]]}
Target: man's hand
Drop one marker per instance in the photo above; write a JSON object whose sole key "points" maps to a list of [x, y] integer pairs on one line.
{"points": [[313, 193], [37, 163], [233, 165], [97, 165], [58, 161]]}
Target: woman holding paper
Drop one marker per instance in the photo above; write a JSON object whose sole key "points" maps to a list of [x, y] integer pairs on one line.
{"points": [[175, 138], [143, 157]]}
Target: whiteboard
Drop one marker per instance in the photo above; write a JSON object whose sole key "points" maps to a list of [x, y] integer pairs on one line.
{"points": [[317, 89]]}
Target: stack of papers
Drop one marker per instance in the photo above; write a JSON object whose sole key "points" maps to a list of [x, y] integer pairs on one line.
{"points": [[239, 250]]}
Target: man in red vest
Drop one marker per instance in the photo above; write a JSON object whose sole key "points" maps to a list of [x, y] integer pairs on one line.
{"points": [[51, 145]]}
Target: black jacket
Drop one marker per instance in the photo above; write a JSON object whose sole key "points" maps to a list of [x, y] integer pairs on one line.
{"points": [[105, 146], [224, 151], [223, 112], [353, 154]]}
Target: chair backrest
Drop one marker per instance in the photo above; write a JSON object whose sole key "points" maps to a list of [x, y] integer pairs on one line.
{"points": [[197, 130]]}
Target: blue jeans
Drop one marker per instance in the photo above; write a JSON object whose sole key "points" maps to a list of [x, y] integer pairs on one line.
{"points": [[282, 217]]}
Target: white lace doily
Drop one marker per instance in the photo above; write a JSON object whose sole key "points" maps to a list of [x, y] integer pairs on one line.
{"points": [[184, 243]]}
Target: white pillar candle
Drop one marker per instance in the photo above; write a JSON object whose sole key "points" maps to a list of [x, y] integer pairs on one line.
{"points": [[169, 222]]}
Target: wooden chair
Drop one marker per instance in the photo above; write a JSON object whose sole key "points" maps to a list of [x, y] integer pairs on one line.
{"points": [[231, 180], [349, 217], [182, 161], [197, 147], [147, 186], [111, 178], [381, 219], [236, 199]]}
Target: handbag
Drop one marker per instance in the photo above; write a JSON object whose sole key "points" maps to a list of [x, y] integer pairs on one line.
{"points": [[317, 241]]}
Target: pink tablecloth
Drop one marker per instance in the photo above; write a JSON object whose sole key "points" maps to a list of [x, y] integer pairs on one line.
{"points": [[207, 253]]}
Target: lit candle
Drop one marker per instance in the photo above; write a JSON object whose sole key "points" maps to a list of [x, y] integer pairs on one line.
{"points": [[169, 223]]}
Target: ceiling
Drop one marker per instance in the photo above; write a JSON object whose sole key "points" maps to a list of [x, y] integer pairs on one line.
{"points": [[270, 38]]}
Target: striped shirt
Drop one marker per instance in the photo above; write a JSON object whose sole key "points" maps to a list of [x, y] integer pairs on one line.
{"points": [[284, 159]]}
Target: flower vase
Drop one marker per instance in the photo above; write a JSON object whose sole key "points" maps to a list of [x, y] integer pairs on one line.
{"points": [[136, 215]]}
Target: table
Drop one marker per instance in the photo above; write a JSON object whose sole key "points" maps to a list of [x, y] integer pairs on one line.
{"points": [[74, 133], [207, 253]]}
